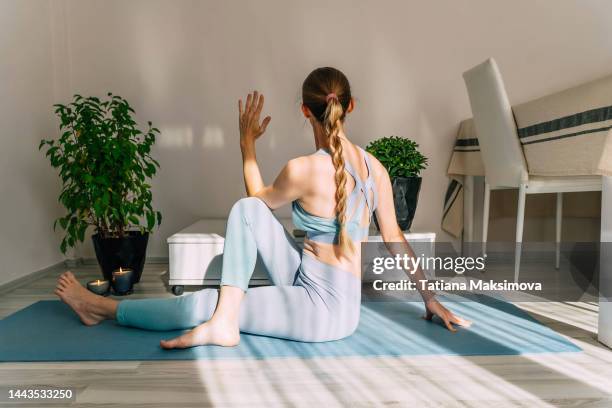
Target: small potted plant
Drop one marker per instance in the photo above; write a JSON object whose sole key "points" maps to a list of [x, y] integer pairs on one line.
{"points": [[104, 162], [404, 163]]}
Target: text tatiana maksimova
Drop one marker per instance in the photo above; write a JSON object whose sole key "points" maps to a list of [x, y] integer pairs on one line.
{"points": [[477, 285]]}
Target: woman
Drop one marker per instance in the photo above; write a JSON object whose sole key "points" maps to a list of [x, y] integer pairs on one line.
{"points": [[316, 292]]}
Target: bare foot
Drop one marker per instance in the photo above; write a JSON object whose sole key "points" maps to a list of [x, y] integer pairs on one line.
{"points": [[71, 292], [214, 332]]}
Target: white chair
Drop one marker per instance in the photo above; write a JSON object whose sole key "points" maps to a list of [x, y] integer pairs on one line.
{"points": [[503, 157]]}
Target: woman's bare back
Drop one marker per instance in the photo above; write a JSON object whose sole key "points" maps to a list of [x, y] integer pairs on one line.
{"points": [[320, 200]]}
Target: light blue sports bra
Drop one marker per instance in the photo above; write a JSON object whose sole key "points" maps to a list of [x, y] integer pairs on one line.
{"points": [[322, 229]]}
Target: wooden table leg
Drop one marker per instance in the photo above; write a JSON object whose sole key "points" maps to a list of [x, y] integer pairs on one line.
{"points": [[605, 268]]}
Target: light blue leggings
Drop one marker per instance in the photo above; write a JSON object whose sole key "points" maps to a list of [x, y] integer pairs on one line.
{"points": [[308, 301]]}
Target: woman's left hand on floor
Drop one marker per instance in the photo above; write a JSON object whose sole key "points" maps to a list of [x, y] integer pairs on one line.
{"points": [[435, 308]]}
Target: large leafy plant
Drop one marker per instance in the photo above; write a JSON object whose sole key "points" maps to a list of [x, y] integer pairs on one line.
{"points": [[104, 163], [400, 156]]}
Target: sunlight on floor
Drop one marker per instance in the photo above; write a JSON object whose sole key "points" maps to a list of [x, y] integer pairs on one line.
{"points": [[581, 315], [511, 380], [358, 380]]}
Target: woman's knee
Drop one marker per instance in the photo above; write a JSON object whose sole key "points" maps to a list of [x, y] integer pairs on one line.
{"points": [[248, 206]]}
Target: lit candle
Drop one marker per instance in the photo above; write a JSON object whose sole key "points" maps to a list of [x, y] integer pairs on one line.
{"points": [[122, 281], [99, 287]]}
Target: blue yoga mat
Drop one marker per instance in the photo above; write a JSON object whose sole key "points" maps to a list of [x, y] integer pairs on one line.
{"points": [[50, 331]]}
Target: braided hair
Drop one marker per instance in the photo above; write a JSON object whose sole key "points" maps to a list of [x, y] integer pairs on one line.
{"points": [[327, 93]]}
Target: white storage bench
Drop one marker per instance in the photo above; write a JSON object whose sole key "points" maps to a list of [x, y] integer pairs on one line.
{"points": [[196, 254]]}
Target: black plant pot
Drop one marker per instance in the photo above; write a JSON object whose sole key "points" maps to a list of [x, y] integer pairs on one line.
{"points": [[405, 197], [127, 252]]}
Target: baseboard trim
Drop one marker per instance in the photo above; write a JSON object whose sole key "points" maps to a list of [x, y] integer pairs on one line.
{"points": [[23, 280], [62, 266], [150, 260]]}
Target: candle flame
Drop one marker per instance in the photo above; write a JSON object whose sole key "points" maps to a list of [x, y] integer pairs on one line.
{"points": [[98, 282], [120, 270]]}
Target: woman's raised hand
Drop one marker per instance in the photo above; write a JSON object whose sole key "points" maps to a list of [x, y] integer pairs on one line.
{"points": [[250, 127], [434, 308]]}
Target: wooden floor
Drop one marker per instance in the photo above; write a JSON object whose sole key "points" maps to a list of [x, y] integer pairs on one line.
{"points": [[568, 380]]}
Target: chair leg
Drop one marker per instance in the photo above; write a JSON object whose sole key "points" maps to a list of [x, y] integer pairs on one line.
{"points": [[485, 217], [520, 220], [468, 215], [559, 218]]}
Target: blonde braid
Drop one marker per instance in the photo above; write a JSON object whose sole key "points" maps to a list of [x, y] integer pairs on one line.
{"points": [[333, 116]]}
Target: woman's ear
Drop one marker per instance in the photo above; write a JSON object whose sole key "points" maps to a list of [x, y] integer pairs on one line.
{"points": [[306, 111], [351, 106]]}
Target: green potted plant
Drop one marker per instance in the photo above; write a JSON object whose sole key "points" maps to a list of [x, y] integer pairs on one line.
{"points": [[104, 162], [404, 163]]}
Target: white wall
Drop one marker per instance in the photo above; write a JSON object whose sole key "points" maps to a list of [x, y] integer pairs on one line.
{"points": [[183, 65], [28, 189]]}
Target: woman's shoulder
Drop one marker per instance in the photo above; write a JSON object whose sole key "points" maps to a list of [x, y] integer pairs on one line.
{"points": [[320, 161], [370, 157], [305, 164], [376, 166], [310, 168], [309, 160]]}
